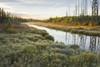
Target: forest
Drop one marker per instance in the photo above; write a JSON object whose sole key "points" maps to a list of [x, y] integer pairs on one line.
{"points": [[75, 20], [6, 16], [80, 12]]}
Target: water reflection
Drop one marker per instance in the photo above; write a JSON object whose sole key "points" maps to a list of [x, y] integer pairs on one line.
{"points": [[85, 42], [92, 43]]}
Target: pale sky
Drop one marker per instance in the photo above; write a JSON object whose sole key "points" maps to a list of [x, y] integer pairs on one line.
{"points": [[40, 9]]}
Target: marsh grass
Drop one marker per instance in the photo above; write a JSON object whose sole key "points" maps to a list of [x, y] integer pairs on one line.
{"points": [[86, 30], [30, 47]]}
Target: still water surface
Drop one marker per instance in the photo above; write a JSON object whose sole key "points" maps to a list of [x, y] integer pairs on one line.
{"points": [[85, 42]]}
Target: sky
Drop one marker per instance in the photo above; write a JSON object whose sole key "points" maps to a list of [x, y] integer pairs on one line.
{"points": [[40, 9]]}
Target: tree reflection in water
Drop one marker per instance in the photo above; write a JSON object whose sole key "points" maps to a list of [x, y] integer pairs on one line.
{"points": [[85, 42], [98, 44], [92, 46]]}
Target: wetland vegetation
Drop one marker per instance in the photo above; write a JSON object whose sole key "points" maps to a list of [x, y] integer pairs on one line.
{"points": [[31, 47]]}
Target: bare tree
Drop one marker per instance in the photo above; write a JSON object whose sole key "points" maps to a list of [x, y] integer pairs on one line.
{"points": [[95, 10], [84, 7]]}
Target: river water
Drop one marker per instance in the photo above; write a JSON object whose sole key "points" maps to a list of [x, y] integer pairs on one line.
{"points": [[85, 42]]}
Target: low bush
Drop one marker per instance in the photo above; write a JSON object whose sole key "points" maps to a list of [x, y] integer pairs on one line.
{"points": [[48, 37], [85, 60], [74, 46], [43, 33]]}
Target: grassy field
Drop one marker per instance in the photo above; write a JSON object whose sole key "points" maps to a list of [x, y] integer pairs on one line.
{"points": [[23, 46], [91, 31]]}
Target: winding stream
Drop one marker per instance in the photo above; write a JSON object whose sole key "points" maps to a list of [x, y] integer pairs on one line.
{"points": [[85, 42]]}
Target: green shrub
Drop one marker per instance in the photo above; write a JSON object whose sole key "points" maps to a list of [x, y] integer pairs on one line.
{"points": [[9, 24], [74, 46], [49, 37], [85, 60], [43, 33]]}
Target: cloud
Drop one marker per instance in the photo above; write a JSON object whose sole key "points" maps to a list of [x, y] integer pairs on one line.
{"points": [[4, 5], [42, 1], [40, 9], [26, 15]]}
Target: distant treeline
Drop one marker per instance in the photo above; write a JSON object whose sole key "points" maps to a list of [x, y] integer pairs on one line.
{"points": [[80, 14], [75, 20], [5, 17]]}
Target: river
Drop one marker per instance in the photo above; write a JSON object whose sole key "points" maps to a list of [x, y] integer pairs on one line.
{"points": [[85, 42]]}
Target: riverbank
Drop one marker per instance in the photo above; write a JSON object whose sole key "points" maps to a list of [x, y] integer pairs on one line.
{"points": [[86, 30], [24, 46]]}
